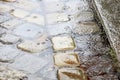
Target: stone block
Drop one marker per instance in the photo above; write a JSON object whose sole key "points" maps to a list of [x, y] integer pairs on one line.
{"points": [[54, 6], [59, 29], [71, 74], [66, 59], [27, 5], [61, 43], [36, 18], [8, 54], [19, 13], [28, 30], [86, 28], [84, 16], [53, 18], [32, 46]]}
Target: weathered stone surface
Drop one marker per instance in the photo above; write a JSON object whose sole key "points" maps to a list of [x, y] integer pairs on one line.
{"points": [[28, 30], [59, 22], [86, 28], [57, 17], [84, 16], [108, 12], [29, 63], [48, 72], [59, 29], [71, 74], [9, 39], [5, 8], [72, 6], [3, 18], [36, 18], [61, 43], [88, 38], [19, 13], [8, 54], [27, 5], [66, 59], [54, 6], [76, 5], [11, 23], [11, 74], [32, 46], [34, 78]]}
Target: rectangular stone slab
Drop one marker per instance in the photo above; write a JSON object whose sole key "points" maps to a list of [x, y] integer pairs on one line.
{"points": [[66, 59], [71, 74], [62, 43], [86, 28]]}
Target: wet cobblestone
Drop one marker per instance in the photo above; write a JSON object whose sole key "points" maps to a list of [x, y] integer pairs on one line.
{"points": [[53, 40]]}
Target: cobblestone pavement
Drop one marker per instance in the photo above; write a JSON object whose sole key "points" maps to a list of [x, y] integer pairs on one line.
{"points": [[52, 40]]}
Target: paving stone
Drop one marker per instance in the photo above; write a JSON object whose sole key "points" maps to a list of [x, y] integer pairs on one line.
{"points": [[36, 18], [71, 74], [66, 59], [8, 54], [27, 5], [74, 7], [11, 74], [32, 46], [86, 28], [29, 63], [19, 13], [28, 30], [11, 23], [9, 39], [58, 29], [5, 8], [54, 6], [84, 16], [96, 46], [53, 18], [61, 43], [3, 18]]}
